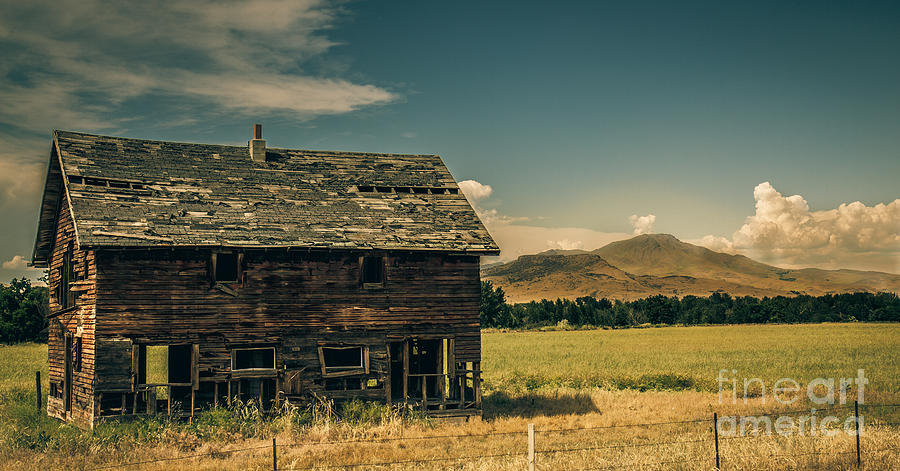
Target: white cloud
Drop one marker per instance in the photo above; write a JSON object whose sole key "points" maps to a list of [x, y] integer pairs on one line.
{"points": [[77, 69], [786, 232], [475, 191], [715, 243], [642, 224], [16, 263], [17, 267], [565, 244]]}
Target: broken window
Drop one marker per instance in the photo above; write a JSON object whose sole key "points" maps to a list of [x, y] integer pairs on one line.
{"points": [[253, 358], [373, 271], [226, 267], [344, 360]]}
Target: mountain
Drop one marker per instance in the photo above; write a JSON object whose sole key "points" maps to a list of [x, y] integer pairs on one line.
{"points": [[652, 264]]}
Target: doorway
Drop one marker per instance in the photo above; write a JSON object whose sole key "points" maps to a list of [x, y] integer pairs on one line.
{"points": [[167, 370], [396, 353], [419, 370]]}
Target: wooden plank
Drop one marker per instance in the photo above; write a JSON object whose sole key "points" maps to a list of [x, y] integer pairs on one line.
{"points": [[451, 357], [195, 367], [406, 371], [389, 380], [476, 383], [322, 361], [424, 393], [366, 358]]}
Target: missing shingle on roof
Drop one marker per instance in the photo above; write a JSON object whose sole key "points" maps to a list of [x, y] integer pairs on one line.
{"points": [[407, 189], [105, 182]]}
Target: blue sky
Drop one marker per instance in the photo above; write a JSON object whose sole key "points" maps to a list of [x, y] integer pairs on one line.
{"points": [[700, 119]]}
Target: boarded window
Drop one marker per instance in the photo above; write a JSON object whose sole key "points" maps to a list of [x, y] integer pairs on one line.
{"points": [[343, 360], [253, 358], [373, 271]]}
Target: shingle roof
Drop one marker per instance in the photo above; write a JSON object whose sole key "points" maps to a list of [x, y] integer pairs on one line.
{"points": [[132, 192]]}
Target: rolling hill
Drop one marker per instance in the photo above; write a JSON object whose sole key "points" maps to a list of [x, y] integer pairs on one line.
{"points": [[661, 264]]}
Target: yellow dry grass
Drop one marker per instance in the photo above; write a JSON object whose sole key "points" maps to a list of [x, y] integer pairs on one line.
{"points": [[603, 441]]}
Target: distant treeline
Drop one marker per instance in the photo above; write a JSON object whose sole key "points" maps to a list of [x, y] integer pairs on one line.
{"points": [[718, 308], [23, 312]]}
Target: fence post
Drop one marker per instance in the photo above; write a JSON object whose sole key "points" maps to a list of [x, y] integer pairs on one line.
{"points": [[856, 414], [716, 434], [37, 388], [530, 447], [274, 455]]}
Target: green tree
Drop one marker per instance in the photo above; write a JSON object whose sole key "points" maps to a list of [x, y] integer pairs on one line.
{"points": [[494, 310], [23, 311]]}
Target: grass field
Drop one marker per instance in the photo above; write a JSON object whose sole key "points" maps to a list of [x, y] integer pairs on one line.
{"points": [[561, 379], [690, 357]]}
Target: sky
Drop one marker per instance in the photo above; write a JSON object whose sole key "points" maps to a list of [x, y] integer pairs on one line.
{"points": [[769, 129]]}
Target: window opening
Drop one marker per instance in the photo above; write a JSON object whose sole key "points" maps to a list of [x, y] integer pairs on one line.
{"points": [[227, 267], [373, 270], [340, 361], [253, 358]]}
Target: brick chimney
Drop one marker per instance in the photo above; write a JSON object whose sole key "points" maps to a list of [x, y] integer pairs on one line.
{"points": [[257, 145]]}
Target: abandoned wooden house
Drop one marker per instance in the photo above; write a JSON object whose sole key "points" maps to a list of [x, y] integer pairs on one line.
{"points": [[256, 273]]}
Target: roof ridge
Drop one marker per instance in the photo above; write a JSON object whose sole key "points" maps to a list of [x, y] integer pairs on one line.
{"points": [[314, 151]]}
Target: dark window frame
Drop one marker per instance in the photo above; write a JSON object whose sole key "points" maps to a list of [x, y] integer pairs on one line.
{"points": [[79, 346], [65, 296], [366, 272], [214, 274], [338, 371], [251, 369]]}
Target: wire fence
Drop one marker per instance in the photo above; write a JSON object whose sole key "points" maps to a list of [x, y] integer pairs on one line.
{"points": [[530, 457]]}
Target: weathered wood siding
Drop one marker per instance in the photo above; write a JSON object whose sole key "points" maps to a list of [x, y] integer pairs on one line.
{"points": [[77, 321], [292, 300]]}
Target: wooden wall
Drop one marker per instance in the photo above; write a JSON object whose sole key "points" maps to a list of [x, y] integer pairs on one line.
{"points": [[77, 321], [293, 300]]}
